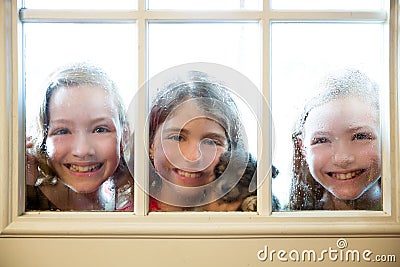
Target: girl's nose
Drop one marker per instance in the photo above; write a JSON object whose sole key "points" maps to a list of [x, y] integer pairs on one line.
{"points": [[343, 154], [191, 152], [82, 146]]}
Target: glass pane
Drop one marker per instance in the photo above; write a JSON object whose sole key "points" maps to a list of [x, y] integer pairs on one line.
{"points": [[326, 4], [205, 4], [302, 54], [76, 4], [198, 145], [61, 157], [237, 50]]}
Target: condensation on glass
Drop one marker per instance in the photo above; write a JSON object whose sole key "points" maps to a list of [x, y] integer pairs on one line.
{"points": [[303, 54], [83, 68], [198, 146], [238, 48]]}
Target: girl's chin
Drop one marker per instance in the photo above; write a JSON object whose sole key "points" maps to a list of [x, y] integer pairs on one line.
{"points": [[83, 188], [348, 196]]}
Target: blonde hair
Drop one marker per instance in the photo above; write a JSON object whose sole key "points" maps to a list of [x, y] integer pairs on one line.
{"points": [[76, 74], [306, 193]]}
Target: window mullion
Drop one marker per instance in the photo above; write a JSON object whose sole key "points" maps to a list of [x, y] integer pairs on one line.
{"points": [[77, 16], [329, 16], [141, 107], [264, 199]]}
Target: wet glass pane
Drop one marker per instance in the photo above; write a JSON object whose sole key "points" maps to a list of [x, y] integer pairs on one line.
{"points": [[237, 50], [302, 57], [205, 4], [327, 4], [76, 148], [199, 155], [76, 4]]}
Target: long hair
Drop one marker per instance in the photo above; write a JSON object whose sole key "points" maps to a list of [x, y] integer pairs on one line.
{"points": [[305, 192], [76, 74], [211, 96]]}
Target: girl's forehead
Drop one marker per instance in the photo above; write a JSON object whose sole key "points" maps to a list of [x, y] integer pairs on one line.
{"points": [[346, 112], [87, 99], [349, 104], [81, 94], [187, 111]]}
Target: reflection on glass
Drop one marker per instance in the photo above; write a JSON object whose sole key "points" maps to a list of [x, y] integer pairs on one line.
{"points": [[327, 4], [198, 145], [75, 158], [237, 48], [51, 45], [301, 55], [337, 156], [77, 4], [75, 134], [205, 4]]}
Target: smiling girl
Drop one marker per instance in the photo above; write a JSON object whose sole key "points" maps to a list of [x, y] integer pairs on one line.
{"points": [[337, 157], [79, 145], [192, 122]]}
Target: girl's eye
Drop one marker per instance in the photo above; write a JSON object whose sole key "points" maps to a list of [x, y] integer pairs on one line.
{"points": [[101, 130], [320, 140], [176, 138], [212, 142], [362, 136], [61, 132]]}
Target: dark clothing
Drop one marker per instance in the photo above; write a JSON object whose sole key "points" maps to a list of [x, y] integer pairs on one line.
{"points": [[36, 200]]}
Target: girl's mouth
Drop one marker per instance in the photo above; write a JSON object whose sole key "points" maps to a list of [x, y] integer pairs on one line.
{"points": [[347, 175], [83, 169], [186, 174]]}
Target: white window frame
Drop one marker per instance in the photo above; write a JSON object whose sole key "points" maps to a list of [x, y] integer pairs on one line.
{"points": [[15, 222]]}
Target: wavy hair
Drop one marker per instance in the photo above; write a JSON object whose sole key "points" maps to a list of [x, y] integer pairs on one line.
{"points": [[76, 74]]}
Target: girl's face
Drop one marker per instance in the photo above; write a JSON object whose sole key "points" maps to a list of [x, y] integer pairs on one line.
{"points": [[83, 142], [187, 147], [341, 146]]}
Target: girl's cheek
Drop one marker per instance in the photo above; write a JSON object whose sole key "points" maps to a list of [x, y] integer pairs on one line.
{"points": [[217, 157], [170, 150], [50, 148]]}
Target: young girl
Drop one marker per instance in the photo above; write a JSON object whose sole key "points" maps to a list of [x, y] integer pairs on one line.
{"points": [[337, 157], [192, 122], [79, 145]]}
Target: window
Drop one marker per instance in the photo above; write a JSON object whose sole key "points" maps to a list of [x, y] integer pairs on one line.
{"points": [[282, 49], [302, 53]]}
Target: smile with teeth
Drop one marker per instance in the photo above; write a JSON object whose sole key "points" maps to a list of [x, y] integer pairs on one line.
{"points": [[346, 176], [88, 168], [188, 174]]}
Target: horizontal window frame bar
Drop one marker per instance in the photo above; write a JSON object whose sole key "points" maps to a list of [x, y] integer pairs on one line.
{"points": [[183, 226], [119, 16]]}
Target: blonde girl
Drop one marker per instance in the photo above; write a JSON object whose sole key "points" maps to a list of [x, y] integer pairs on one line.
{"points": [[337, 157], [79, 144]]}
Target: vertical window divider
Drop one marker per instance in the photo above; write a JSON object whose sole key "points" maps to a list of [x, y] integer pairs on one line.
{"points": [[141, 163], [389, 123], [264, 198], [5, 118], [18, 45], [394, 86]]}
